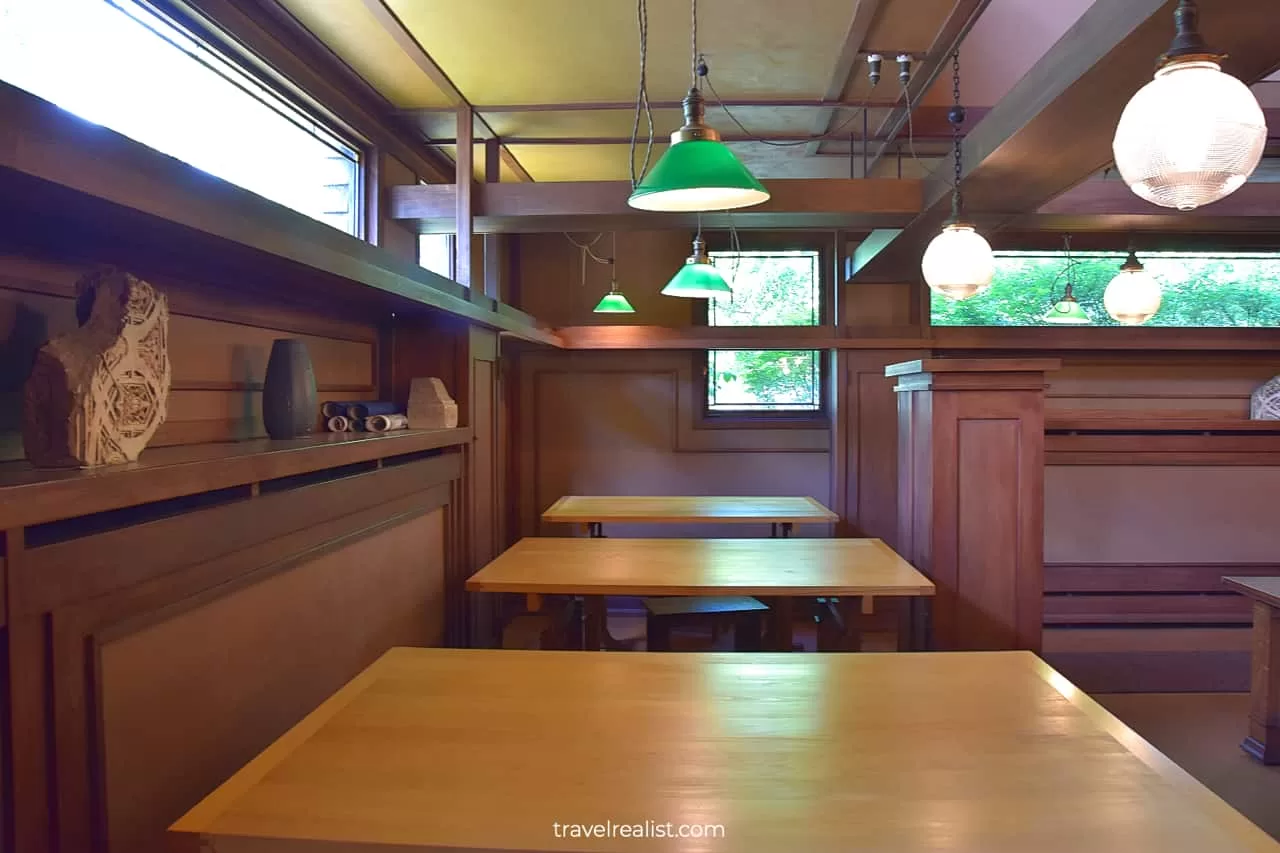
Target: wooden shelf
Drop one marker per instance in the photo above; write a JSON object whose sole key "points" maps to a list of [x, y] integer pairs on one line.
{"points": [[1066, 423], [55, 164], [736, 337], [33, 496]]}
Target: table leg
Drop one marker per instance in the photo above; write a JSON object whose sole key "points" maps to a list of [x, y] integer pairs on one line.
{"points": [[916, 634], [1263, 741], [851, 617], [593, 623], [780, 627]]}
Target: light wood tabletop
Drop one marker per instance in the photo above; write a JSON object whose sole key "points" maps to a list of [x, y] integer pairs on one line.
{"points": [[1262, 589], [587, 509], [978, 752], [850, 571], [762, 567]]}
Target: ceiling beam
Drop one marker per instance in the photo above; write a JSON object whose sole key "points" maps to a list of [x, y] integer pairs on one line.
{"points": [[602, 206], [1114, 198], [1054, 128], [963, 16], [390, 22], [833, 103], [864, 15]]}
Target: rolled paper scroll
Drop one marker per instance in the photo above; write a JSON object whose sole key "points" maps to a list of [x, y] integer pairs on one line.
{"points": [[333, 408], [339, 423], [369, 408], [386, 423]]}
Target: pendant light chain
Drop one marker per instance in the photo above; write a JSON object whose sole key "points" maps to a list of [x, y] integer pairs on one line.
{"points": [[956, 117]]}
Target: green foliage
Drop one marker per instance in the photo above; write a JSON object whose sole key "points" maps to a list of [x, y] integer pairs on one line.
{"points": [[1199, 290], [769, 289], [764, 379]]}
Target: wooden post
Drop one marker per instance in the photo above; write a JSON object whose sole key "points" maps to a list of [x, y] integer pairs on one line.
{"points": [[971, 495], [463, 223]]}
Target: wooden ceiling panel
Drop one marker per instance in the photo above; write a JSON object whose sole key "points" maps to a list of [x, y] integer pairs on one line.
{"points": [[559, 51], [579, 123], [577, 162], [902, 25], [355, 35]]}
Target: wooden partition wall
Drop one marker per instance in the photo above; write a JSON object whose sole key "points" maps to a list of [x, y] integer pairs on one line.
{"points": [[161, 623]]}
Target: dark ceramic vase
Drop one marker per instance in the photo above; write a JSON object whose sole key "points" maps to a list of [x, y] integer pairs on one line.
{"points": [[289, 407]]}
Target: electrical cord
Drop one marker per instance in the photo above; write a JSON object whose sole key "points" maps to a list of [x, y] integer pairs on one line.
{"points": [[836, 131], [642, 98]]}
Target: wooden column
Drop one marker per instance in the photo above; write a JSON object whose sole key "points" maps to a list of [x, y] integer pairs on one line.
{"points": [[463, 177], [971, 494]]}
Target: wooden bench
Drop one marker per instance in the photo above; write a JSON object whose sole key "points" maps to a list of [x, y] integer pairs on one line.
{"points": [[745, 613]]}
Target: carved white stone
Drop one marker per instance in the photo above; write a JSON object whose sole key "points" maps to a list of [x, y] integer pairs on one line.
{"points": [[1265, 404], [430, 406], [97, 395]]}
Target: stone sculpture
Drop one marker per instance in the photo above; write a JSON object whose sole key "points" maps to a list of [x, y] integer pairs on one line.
{"points": [[1265, 403], [430, 406], [97, 395]]}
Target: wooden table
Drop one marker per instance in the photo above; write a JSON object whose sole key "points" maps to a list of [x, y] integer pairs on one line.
{"points": [[779, 512], [965, 752], [775, 570], [1263, 740]]}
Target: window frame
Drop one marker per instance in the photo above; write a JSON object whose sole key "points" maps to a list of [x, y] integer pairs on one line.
{"points": [[241, 59], [766, 241]]}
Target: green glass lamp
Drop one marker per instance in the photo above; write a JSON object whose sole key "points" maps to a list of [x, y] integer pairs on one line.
{"points": [[698, 171], [1067, 312], [614, 302], [698, 278]]}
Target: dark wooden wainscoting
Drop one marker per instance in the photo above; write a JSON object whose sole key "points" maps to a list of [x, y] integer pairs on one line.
{"points": [[152, 649]]}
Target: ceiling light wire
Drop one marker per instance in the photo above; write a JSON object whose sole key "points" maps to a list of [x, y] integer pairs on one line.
{"points": [[838, 130], [642, 98]]}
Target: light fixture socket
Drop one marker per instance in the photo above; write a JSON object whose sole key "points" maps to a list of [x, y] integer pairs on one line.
{"points": [[695, 121], [874, 61], [1187, 41], [904, 68], [699, 254], [1131, 263]]}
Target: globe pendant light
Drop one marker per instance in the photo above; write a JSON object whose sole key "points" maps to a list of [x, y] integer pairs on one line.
{"points": [[698, 172], [1192, 135], [1067, 311], [1133, 296], [958, 261], [698, 278]]}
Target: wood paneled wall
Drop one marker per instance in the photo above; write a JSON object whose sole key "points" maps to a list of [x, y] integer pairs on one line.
{"points": [[152, 650], [623, 423], [218, 345], [550, 284]]}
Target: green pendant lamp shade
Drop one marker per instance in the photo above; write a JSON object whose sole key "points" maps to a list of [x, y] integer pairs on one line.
{"points": [[698, 278], [614, 302], [1067, 312], [698, 172]]}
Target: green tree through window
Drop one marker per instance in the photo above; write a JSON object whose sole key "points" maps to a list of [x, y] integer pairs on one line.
{"points": [[1200, 289], [769, 289]]}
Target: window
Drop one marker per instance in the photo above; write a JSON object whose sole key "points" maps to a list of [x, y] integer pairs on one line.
{"points": [[121, 65], [1200, 289], [435, 253], [779, 288]]}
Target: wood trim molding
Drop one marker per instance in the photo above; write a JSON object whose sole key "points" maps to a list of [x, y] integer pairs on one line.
{"points": [[30, 496], [136, 196]]}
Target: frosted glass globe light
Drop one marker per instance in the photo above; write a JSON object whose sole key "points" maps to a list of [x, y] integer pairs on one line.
{"points": [[958, 262], [1191, 136], [1133, 297]]}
